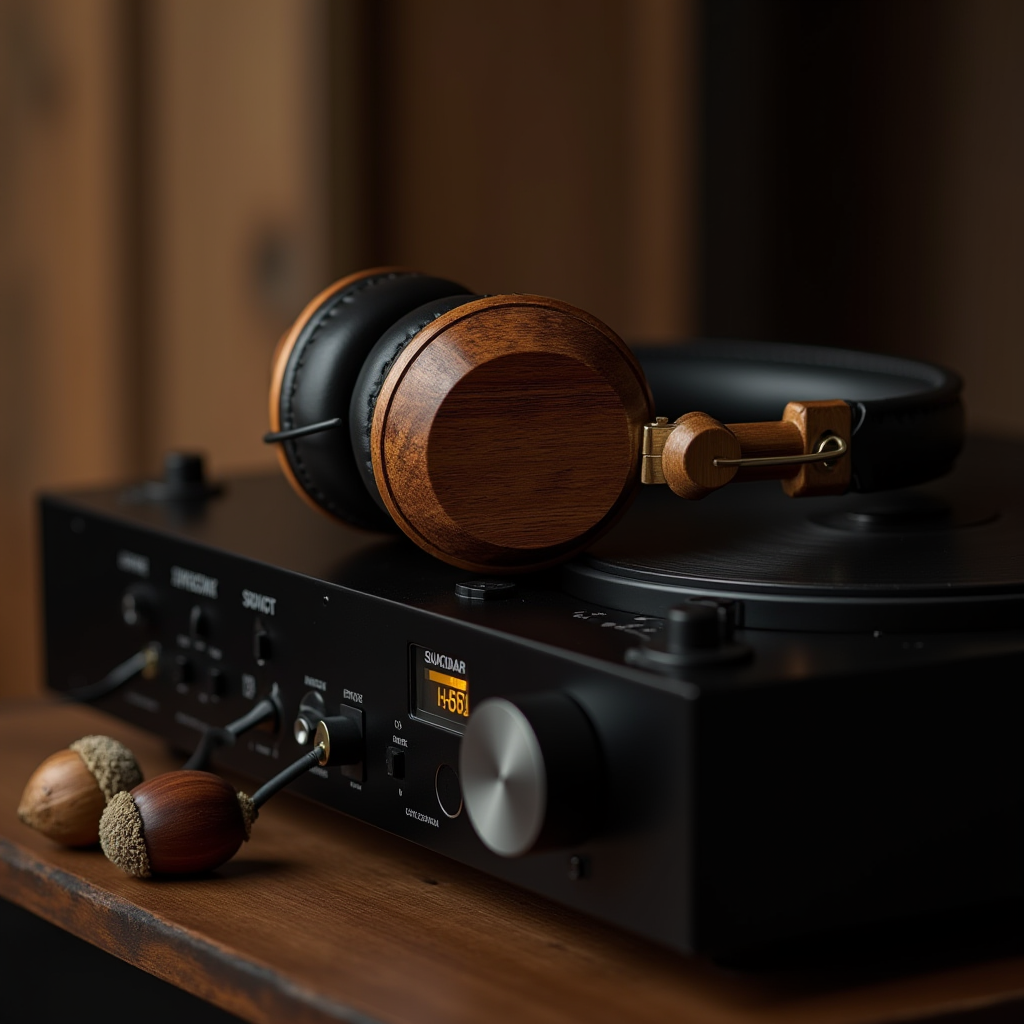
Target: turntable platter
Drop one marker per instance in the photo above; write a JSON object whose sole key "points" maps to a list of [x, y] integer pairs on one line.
{"points": [[946, 556]]}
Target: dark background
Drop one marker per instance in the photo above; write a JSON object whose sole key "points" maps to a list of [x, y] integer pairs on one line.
{"points": [[178, 177]]}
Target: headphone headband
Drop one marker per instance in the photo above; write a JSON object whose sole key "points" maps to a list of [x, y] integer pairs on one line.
{"points": [[908, 418]]}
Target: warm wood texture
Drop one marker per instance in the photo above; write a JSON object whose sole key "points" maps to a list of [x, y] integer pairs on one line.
{"points": [[321, 918], [162, 182], [63, 346], [767, 440], [663, 61], [63, 801], [815, 421], [543, 146], [191, 821], [237, 207], [801, 428], [507, 434], [688, 458]]}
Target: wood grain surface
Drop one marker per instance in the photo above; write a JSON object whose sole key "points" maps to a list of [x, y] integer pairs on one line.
{"points": [[507, 434], [815, 420], [688, 459], [321, 918]]}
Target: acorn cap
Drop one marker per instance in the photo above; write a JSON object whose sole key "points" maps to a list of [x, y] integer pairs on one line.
{"points": [[112, 764], [121, 836], [249, 812]]}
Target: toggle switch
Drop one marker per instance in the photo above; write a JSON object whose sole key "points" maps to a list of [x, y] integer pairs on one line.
{"points": [[261, 645], [396, 762]]}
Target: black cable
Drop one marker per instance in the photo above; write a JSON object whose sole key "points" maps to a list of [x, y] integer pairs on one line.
{"points": [[214, 737], [290, 774], [117, 677], [311, 428]]}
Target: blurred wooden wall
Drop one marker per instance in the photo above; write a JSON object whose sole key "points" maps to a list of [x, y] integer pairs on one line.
{"points": [[162, 186], [862, 168], [178, 177], [540, 146]]}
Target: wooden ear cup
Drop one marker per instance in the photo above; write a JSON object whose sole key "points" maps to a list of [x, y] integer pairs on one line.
{"points": [[506, 435], [315, 367]]}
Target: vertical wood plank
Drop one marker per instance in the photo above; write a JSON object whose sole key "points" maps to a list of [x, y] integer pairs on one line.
{"points": [[239, 217], [62, 380], [660, 205], [516, 156], [978, 287]]}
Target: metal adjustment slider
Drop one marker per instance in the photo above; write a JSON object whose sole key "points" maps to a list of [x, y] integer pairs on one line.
{"points": [[655, 436]]}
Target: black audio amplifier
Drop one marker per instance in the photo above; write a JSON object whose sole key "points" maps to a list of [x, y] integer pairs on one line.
{"points": [[751, 720]]}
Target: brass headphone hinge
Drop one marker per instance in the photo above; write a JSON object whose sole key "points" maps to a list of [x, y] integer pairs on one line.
{"points": [[655, 436]]}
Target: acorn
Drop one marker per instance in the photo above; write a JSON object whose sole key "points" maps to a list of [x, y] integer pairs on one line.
{"points": [[185, 822], [180, 823], [65, 796]]}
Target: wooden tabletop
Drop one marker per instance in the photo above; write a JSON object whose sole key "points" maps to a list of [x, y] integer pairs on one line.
{"points": [[320, 917]]}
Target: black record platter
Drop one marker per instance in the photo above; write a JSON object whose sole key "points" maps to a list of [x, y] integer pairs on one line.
{"points": [[793, 719]]}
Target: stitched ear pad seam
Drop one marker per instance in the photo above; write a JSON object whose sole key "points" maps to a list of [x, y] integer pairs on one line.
{"points": [[375, 370], [349, 499]]}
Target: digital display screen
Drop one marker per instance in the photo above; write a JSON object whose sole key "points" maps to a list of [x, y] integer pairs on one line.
{"points": [[440, 688]]}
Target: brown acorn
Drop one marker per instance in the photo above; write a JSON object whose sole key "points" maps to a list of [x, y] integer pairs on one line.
{"points": [[66, 794], [179, 823]]}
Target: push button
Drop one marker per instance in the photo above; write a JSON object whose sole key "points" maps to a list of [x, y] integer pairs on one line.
{"points": [[448, 790], [215, 681], [184, 670], [261, 646], [396, 762]]}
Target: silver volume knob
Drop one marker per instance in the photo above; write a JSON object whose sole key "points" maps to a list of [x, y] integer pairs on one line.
{"points": [[532, 773]]}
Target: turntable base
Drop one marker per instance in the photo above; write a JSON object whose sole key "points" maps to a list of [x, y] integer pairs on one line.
{"points": [[945, 556]]}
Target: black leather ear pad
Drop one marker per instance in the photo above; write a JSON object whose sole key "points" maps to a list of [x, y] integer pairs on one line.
{"points": [[321, 371], [371, 379]]}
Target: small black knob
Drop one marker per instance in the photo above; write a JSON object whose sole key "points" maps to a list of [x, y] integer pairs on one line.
{"points": [[692, 627], [183, 480], [698, 632], [183, 470]]}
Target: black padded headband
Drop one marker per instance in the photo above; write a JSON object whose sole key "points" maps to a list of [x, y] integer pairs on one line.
{"points": [[908, 420]]}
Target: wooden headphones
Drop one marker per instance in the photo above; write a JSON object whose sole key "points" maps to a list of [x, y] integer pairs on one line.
{"points": [[507, 432]]}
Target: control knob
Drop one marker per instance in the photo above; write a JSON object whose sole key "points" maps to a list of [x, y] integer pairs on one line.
{"points": [[532, 773]]}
